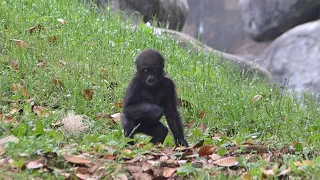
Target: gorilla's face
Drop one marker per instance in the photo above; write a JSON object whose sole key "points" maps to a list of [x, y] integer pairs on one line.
{"points": [[151, 75], [150, 66]]}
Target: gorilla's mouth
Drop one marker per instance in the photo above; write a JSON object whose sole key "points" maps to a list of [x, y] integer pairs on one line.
{"points": [[151, 81]]}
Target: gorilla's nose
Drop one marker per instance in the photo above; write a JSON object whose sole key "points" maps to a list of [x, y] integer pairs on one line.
{"points": [[151, 81]]}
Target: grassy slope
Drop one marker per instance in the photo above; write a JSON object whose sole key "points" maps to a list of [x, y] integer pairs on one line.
{"points": [[99, 53]]}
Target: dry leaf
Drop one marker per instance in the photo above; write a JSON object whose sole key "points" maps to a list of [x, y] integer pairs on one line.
{"points": [[37, 27], [246, 176], [134, 169], [284, 172], [19, 88], [256, 98], [116, 117], [190, 124], [53, 39], [146, 167], [206, 150], [168, 172], [199, 144], [94, 167], [120, 177], [41, 64], [21, 44], [14, 64], [57, 83], [2, 150], [83, 176], [118, 104], [62, 21], [268, 172], [88, 94], [227, 162], [215, 157], [201, 114], [41, 111], [306, 162], [3, 162], [34, 165], [109, 157], [142, 176], [201, 127], [77, 159], [83, 170]]}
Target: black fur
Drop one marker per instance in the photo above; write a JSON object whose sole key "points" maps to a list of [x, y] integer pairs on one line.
{"points": [[149, 96]]}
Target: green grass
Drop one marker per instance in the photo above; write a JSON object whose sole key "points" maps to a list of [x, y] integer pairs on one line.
{"points": [[97, 52]]}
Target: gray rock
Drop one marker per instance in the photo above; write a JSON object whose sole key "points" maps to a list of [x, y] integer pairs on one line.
{"points": [[267, 19], [173, 11], [191, 43], [296, 54], [218, 24]]}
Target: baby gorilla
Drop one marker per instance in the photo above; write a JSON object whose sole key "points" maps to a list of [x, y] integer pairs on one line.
{"points": [[150, 95]]}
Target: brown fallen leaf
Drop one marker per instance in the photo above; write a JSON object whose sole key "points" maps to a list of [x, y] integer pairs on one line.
{"points": [[202, 127], [147, 167], [88, 94], [190, 124], [77, 159], [168, 172], [268, 172], [83, 170], [120, 177], [116, 117], [226, 162], [18, 88], [3, 162], [255, 98], [21, 43], [35, 28], [134, 169], [83, 176], [284, 172], [142, 176], [14, 64], [62, 21], [57, 83], [201, 114], [34, 164], [109, 157], [53, 39], [199, 144], [206, 150], [215, 157], [118, 104], [305, 162], [41, 111], [246, 176], [94, 167], [41, 64]]}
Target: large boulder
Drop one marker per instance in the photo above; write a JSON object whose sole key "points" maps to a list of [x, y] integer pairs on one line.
{"points": [[267, 19], [296, 54], [173, 12]]}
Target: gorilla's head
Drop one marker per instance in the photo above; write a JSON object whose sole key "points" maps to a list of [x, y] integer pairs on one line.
{"points": [[150, 64]]}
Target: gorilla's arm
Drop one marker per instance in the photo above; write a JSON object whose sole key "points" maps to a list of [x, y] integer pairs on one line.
{"points": [[173, 116], [134, 109]]}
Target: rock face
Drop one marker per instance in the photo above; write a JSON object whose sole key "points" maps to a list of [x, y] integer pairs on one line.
{"points": [[218, 23], [296, 53], [173, 11], [267, 19]]}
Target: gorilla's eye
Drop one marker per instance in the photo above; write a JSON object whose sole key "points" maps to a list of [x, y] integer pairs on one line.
{"points": [[145, 70]]}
